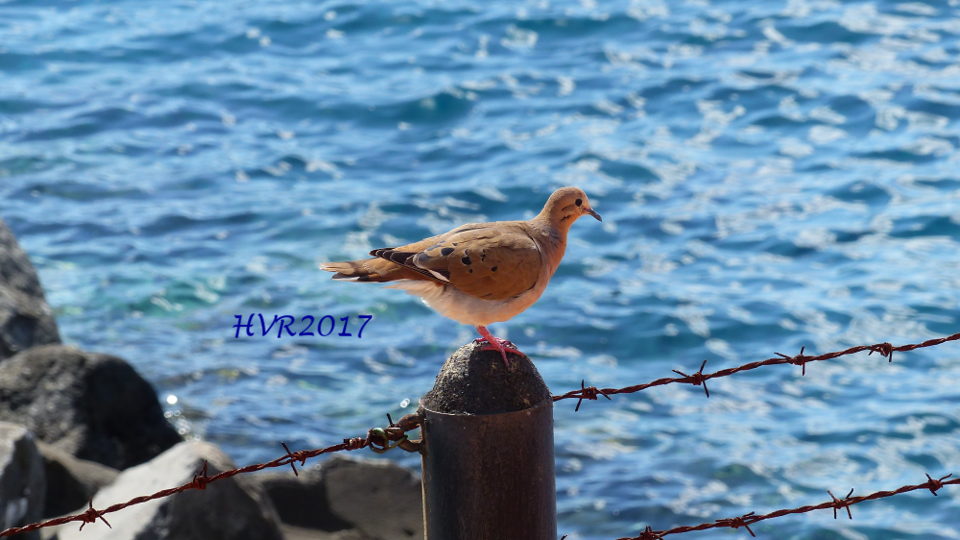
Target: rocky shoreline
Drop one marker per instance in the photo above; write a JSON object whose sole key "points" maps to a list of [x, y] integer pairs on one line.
{"points": [[77, 426]]}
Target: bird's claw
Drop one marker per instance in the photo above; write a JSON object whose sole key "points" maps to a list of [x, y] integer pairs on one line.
{"points": [[503, 346], [506, 342]]}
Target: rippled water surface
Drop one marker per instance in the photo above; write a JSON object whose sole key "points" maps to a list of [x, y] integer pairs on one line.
{"points": [[771, 175]]}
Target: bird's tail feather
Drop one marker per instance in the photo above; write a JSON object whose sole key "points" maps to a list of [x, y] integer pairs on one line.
{"points": [[373, 270]]}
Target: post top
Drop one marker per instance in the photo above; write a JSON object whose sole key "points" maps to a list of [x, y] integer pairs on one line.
{"points": [[474, 381]]}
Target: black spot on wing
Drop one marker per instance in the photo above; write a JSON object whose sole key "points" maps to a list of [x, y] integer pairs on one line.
{"points": [[446, 251], [494, 269], [466, 259]]}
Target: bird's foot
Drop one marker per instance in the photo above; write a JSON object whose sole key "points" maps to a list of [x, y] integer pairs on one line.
{"points": [[504, 342], [502, 345], [493, 343]]}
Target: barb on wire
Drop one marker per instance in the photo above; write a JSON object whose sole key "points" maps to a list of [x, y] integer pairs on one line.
{"points": [[200, 479], [844, 503], [932, 484], [294, 457], [696, 379], [377, 439], [589, 393], [936, 484], [737, 522], [700, 378], [798, 360], [649, 534], [91, 516], [885, 349]]}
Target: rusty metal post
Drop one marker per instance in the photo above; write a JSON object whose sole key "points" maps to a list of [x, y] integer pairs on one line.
{"points": [[487, 454]]}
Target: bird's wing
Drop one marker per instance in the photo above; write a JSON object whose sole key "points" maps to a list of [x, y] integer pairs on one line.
{"points": [[492, 261]]}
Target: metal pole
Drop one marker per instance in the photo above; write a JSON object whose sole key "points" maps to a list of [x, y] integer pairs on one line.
{"points": [[487, 454]]}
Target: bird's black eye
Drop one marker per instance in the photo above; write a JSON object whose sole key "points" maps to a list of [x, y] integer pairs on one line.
{"points": [[579, 202]]}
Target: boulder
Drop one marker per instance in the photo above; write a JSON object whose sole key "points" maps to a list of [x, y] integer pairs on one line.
{"points": [[22, 483], [301, 500], [231, 509], [71, 482], [374, 498], [25, 318], [92, 406], [380, 498], [299, 533]]}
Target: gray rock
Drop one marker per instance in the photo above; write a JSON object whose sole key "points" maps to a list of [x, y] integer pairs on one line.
{"points": [[299, 533], [22, 483], [380, 498], [230, 509], [25, 318], [301, 500], [93, 406], [377, 499], [71, 482]]}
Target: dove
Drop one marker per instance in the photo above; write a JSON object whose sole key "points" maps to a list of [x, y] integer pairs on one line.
{"points": [[478, 273]]}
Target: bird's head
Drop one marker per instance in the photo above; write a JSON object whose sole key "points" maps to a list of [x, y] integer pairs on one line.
{"points": [[565, 206]]}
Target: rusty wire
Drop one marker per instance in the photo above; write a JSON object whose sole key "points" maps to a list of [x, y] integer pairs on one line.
{"points": [[700, 378], [378, 439], [932, 484], [381, 440]]}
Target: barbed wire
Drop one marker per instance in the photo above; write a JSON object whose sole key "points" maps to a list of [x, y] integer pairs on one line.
{"points": [[700, 378], [379, 440], [932, 484]]}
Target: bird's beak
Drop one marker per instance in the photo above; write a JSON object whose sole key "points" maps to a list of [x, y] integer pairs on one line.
{"points": [[593, 213]]}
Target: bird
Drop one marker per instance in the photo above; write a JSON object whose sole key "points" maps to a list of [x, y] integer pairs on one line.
{"points": [[479, 273]]}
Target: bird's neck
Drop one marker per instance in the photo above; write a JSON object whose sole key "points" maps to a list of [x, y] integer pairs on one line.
{"points": [[551, 237]]}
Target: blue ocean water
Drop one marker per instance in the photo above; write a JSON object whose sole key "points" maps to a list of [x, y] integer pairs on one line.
{"points": [[771, 175]]}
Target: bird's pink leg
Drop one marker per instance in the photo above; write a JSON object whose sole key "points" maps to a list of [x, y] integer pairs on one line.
{"points": [[496, 344]]}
